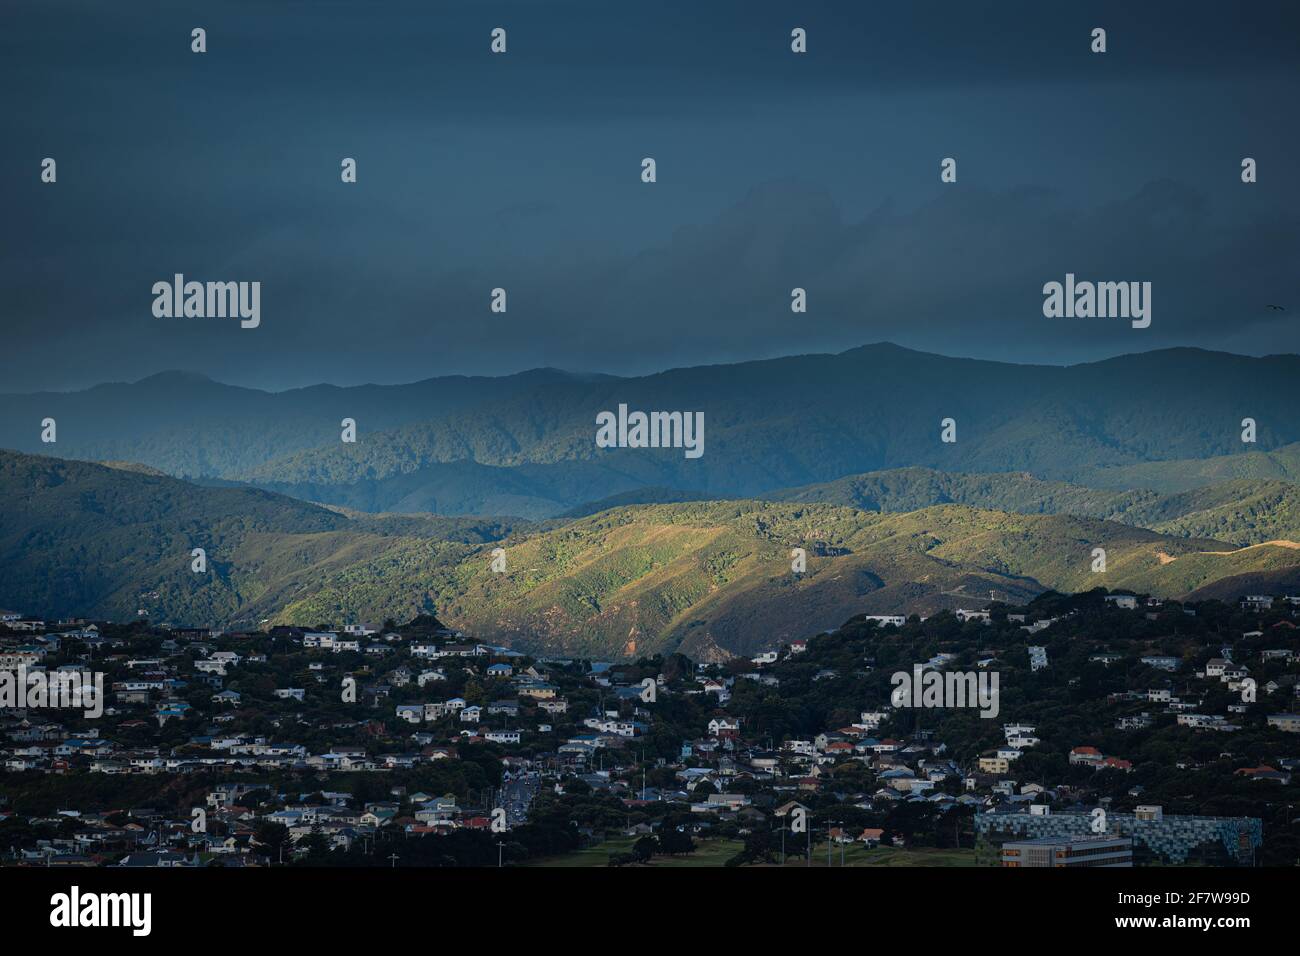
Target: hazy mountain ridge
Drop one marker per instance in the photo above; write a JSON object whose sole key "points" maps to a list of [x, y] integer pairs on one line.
{"points": [[815, 418], [524, 444], [190, 426]]}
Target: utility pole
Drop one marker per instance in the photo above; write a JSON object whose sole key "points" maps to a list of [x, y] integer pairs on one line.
{"points": [[394, 858], [500, 849]]}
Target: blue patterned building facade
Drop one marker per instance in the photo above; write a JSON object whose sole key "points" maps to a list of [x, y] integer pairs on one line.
{"points": [[1171, 839]]}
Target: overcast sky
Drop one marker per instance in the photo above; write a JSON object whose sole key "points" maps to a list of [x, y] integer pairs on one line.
{"points": [[522, 171]]}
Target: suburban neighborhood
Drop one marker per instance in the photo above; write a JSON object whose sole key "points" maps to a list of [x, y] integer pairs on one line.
{"points": [[1167, 733]]}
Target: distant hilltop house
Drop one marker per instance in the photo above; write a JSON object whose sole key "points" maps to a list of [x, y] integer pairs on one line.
{"points": [[1264, 773], [1126, 601], [724, 727], [994, 765], [1207, 722], [1257, 602], [537, 690], [1217, 667], [1092, 757], [411, 713], [329, 641], [897, 620], [1288, 723], [872, 719], [1134, 721], [1020, 736], [463, 650], [20, 657]]}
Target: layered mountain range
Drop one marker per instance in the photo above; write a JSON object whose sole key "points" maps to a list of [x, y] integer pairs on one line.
{"points": [[620, 552], [524, 444]]}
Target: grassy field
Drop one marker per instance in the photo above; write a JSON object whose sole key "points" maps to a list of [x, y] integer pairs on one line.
{"points": [[707, 853], [717, 852], [883, 856]]}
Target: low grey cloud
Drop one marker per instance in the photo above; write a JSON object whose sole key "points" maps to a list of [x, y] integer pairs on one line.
{"points": [[522, 172]]}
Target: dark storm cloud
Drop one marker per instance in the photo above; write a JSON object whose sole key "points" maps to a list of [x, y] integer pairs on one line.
{"points": [[522, 171]]}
